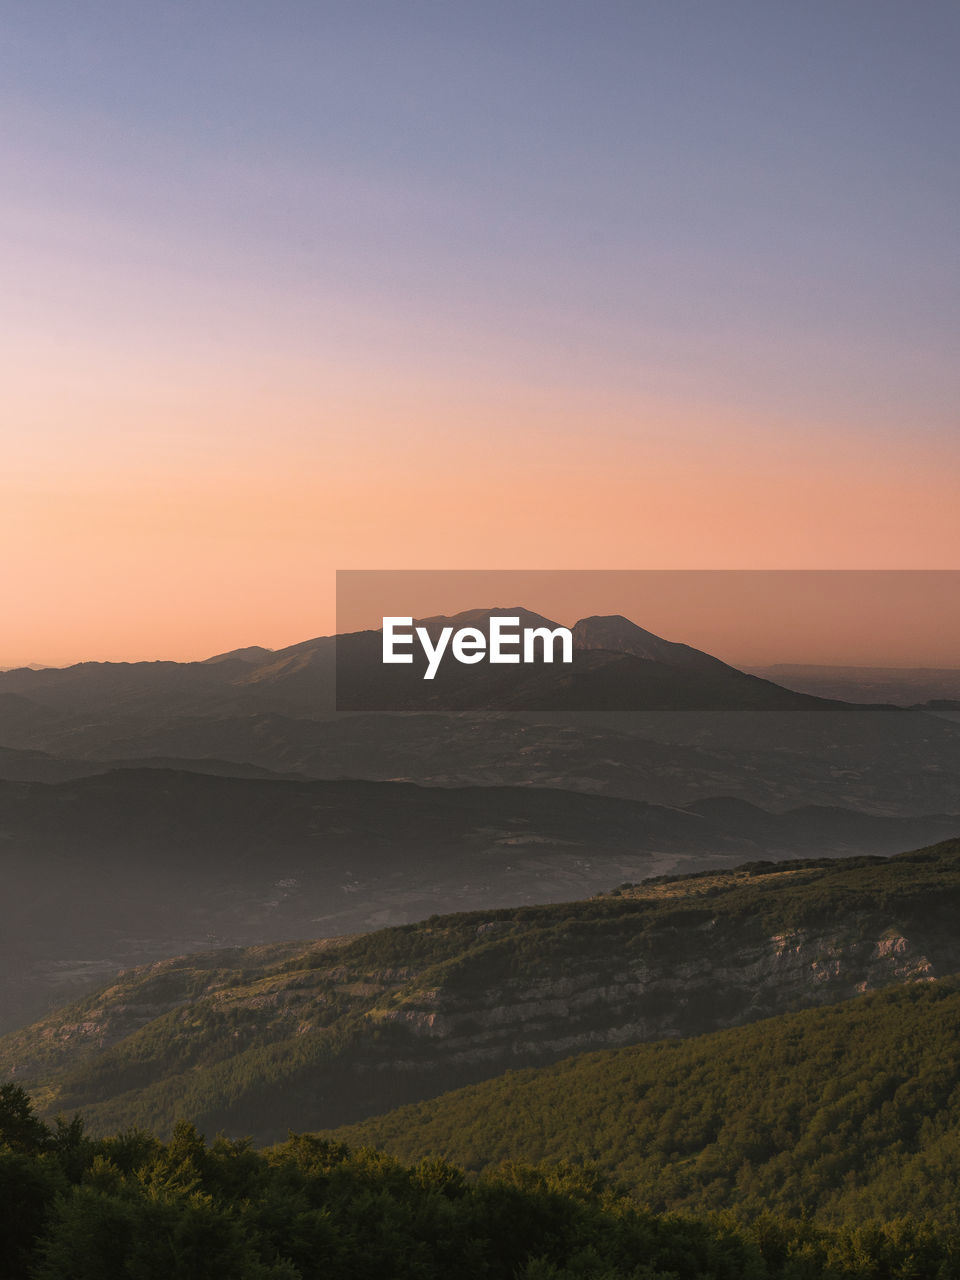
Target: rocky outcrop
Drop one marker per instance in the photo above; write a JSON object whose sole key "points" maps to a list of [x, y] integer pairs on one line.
{"points": [[259, 1040], [720, 985]]}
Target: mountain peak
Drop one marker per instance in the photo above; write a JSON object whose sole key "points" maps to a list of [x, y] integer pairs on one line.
{"points": [[253, 654], [618, 634], [480, 618]]}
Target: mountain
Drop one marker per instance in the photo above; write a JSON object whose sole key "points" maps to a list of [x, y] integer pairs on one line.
{"points": [[305, 679], [480, 618], [255, 654], [849, 1113], [885, 762], [119, 868], [297, 679], [616, 666], [617, 634], [707, 729], [322, 1034]]}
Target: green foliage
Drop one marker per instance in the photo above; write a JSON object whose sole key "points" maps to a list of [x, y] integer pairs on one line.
{"points": [[254, 1041], [29, 1186], [844, 1113], [310, 1209], [20, 1129]]}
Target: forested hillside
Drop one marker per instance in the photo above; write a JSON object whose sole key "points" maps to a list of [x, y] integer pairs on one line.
{"points": [[307, 1036], [130, 1206], [845, 1114]]}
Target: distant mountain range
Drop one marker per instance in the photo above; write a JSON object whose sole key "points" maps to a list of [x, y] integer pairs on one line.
{"points": [[115, 869], [708, 729], [153, 808], [617, 666]]}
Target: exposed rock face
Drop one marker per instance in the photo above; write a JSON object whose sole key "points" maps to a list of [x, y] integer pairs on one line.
{"points": [[590, 1009], [256, 1041]]}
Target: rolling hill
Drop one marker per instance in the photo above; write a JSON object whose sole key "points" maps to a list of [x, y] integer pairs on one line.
{"points": [[128, 866], [844, 1114], [699, 728], [313, 1036]]}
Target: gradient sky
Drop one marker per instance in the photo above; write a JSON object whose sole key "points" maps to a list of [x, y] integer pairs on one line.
{"points": [[304, 286]]}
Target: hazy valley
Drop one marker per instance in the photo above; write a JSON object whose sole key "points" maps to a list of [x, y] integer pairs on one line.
{"points": [[641, 924], [155, 808]]}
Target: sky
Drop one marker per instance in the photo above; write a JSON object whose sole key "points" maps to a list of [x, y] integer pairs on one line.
{"points": [[299, 287], [750, 617]]}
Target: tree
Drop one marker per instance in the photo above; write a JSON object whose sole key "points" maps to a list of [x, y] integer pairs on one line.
{"points": [[20, 1129]]}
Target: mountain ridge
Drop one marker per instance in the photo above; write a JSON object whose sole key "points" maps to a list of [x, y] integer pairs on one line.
{"points": [[302, 675], [315, 1035], [845, 1113]]}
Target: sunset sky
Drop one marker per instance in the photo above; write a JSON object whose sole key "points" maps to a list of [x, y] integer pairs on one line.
{"points": [[302, 286]]}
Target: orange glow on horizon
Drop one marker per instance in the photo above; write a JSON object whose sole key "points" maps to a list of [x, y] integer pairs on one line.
{"points": [[179, 547]]}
